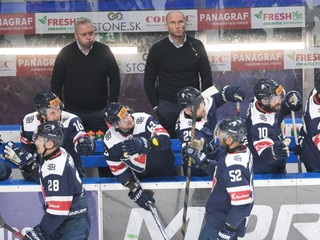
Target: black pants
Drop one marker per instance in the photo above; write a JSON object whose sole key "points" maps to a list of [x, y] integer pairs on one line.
{"points": [[93, 121], [168, 114]]}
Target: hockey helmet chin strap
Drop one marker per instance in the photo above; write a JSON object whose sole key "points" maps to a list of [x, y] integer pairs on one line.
{"points": [[44, 146]]}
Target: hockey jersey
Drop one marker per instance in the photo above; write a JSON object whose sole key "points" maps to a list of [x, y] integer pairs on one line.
{"points": [[204, 129], [231, 199], [264, 128], [73, 130], [309, 135], [62, 191], [158, 162]]}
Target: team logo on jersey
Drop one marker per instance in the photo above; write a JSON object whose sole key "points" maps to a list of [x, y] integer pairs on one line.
{"points": [[51, 166], [262, 117], [237, 158], [108, 135], [139, 120], [30, 119]]}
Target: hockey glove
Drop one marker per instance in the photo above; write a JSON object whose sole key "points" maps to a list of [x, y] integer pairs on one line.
{"points": [[34, 234], [135, 145], [142, 198], [198, 158], [280, 150], [227, 234], [19, 157], [233, 93], [293, 101], [85, 145]]}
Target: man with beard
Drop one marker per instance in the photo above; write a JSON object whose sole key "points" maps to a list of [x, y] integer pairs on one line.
{"points": [[265, 136], [206, 120], [231, 198]]}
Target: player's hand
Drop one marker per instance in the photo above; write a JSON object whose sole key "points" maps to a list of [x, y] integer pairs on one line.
{"points": [[142, 198], [135, 145], [19, 157], [280, 150], [233, 93], [198, 158], [34, 234], [85, 145], [227, 234], [293, 101]]}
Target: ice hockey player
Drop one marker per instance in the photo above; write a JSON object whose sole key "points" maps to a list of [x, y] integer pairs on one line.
{"points": [[206, 119], [136, 142], [309, 134], [49, 108], [66, 209], [231, 198], [265, 115]]}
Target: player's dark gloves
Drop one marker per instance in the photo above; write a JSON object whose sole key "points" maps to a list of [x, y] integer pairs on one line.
{"points": [[293, 101], [280, 150], [85, 145], [34, 234], [142, 197], [135, 145], [227, 234], [200, 159], [233, 93], [19, 157]]}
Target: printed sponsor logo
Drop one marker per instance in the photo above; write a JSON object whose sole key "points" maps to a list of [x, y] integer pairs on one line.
{"points": [[257, 60], [17, 23], [278, 17], [224, 19]]}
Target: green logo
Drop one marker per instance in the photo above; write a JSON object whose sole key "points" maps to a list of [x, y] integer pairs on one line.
{"points": [[292, 55], [259, 15], [43, 20]]}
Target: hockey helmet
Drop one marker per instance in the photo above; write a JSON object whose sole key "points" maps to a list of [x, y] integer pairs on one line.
{"points": [[187, 95], [234, 127], [50, 130], [114, 111], [267, 88], [45, 100]]}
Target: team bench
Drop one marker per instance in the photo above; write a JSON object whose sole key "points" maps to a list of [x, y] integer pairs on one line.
{"points": [[97, 159]]}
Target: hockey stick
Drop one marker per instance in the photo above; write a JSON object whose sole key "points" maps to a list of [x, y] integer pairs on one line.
{"points": [[296, 139], [6, 226], [209, 91], [238, 104], [153, 210], [196, 104]]}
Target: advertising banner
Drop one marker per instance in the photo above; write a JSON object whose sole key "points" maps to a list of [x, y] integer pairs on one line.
{"points": [[214, 19], [302, 59], [257, 60], [35, 65], [278, 17], [23, 23], [118, 21]]}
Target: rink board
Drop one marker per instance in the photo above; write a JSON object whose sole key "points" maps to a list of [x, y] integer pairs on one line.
{"points": [[286, 207]]}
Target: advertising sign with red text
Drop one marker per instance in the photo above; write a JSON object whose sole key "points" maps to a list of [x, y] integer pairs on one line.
{"points": [[302, 59], [278, 17]]}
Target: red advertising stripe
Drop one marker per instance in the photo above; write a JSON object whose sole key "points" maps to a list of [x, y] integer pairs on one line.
{"points": [[22, 23], [37, 65], [230, 18], [257, 60]]}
